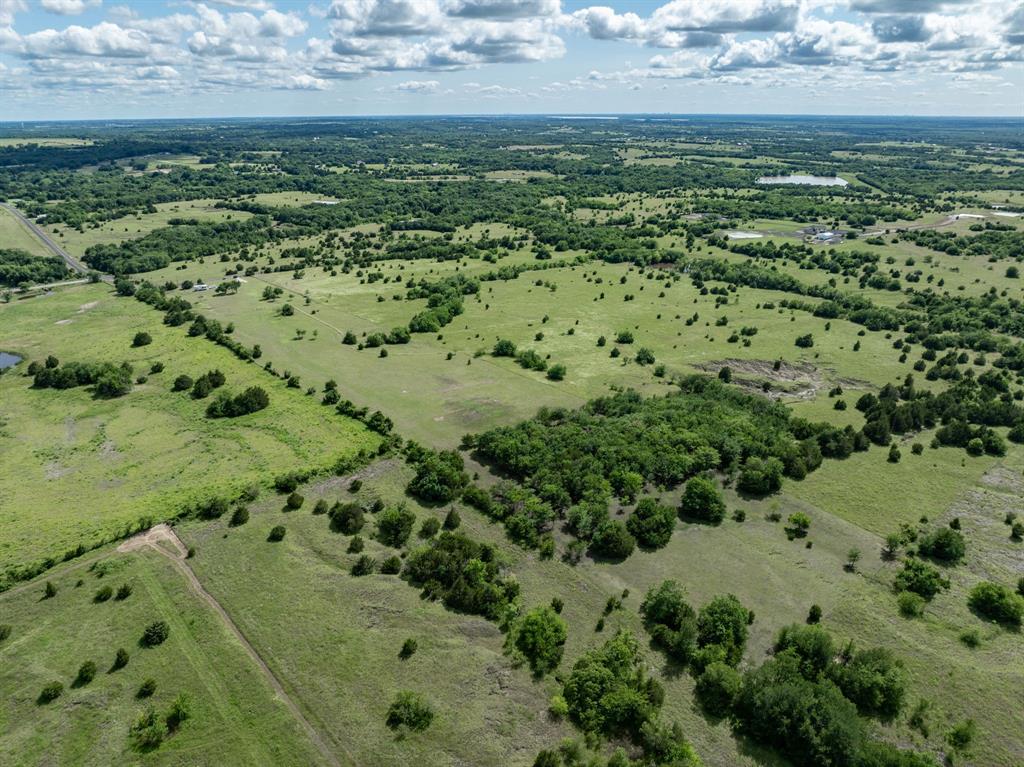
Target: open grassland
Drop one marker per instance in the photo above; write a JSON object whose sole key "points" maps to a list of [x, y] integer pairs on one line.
{"points": [[15, 235], [77, 468], [355, 626], [236, 719]]}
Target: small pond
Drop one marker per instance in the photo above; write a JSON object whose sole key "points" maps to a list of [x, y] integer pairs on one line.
{"points": [[805, 180], [8, 360]]}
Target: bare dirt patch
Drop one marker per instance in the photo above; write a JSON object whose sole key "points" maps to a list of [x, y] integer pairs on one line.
{"points": [[791, 380]]}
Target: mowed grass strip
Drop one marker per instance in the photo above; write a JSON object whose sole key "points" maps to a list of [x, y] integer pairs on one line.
{"points": [[77, 469]]}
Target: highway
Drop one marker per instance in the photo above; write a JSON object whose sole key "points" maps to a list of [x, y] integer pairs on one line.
{"points": [[72, 262]]}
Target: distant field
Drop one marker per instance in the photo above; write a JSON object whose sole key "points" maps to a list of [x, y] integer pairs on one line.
{"points": [[14, 234], [78, 468], [236, 718], [43, 141]]}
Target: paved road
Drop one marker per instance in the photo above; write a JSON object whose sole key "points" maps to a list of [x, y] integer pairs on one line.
{"points": [[72, 262]]}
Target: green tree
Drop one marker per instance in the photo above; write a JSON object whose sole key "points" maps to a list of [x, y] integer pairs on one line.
{"points": [[409, 710], [540, 637], [702, 501]]}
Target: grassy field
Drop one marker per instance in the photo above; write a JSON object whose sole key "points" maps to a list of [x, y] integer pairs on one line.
{"points": [[14, 234], [236, 720], [78, 468]]}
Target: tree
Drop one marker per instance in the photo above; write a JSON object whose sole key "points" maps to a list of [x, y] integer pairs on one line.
{"points": [[670, 619], [717, 687], [156, 633], [142, 339], [182, 383], [409, 710], [346, 518], [540, 637], [997, 603], [944, 544], [504, 348], [452, 519], [812, 645], [921, 578], [179, 712], [147, 732], [613, 540], [702, 501], [723, 622], [875, 680], [651, 523], [394, 526], [556, 372], [644, 356]]}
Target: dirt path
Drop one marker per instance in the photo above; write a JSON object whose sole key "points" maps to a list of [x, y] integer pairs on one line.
{"points": [[159, 538]]}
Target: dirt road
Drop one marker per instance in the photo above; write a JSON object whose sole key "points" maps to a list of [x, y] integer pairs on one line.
{"points": [[163, 540]]}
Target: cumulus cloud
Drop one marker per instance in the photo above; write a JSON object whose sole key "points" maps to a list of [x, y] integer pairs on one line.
{"points": [[418, 86], [68, 7]]}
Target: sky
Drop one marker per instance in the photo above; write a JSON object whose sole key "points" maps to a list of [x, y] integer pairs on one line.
{"points": [[100, 59]]}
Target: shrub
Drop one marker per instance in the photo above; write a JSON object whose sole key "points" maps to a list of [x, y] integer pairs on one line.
{"points": [[239, 517], [391, 566], [613, 540], [320, 507], [147, 732], [540, 637], [182, 383], [156, 633], [347, 518], [103, 594], [760, 477], [50, 692], [911, 605], [504, 348], [920, 578], [875, 681], [429, 527], [439, 476], [49, 590], [717, 687], [556, 372], [997, 603], [365, 565], [179, 712], [86, 673], [5, 631], [356, 545], [142, 339], [702, 501], [814, 615], [723, 622], [294, 501], [394, 526], [651, 523], [944, 544], [276, 534], [670, 620], [812, 645], [146, 689], [120, 659], [409, 710], [452, 519], [123, 592]]}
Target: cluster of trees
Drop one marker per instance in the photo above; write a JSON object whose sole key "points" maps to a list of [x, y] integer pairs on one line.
{"points": [[444, 301], [465, 575], [251, 400], [439, 474], [110, 380], [997, 241], [716, 634], [572, 463], [808, 701], [17, 267], [608, 692]]}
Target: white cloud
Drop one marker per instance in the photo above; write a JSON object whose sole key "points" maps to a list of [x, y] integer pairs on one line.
{"points": [[8, 10], [418, 86], [69, 7]]}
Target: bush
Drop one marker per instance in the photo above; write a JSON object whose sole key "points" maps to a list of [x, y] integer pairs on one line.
{"points": [[670, 620], [875, 681], [391, 566], [276, 534], [147, 732], [146, 689], [239, 517], [253, 399], [717, 688], [120, 659], [613, 540], [702, 501], [723, 622], [5, 631], [142, 339], [103, 594], [49, 590], [651, 523], [294, 502], [156, 633], [943, 544], [50, 692], [920, 578], [409, 647], [439, 476], [504, 348], [814, 615], [179, 712], [347, 518], [452, 519], [123, 592], [356, 545], [997, 603], [394, 526], [86, 673], [182, 383], [365, 565], [409, 710], [540, 637], [429, 527], [911, 605], [556, 372]]}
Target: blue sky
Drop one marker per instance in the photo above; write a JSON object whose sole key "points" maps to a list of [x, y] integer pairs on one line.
{"points": [[68, 59]]}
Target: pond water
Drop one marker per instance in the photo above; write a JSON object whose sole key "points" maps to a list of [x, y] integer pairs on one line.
{"points": [[8, 360], [805, 180]]}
